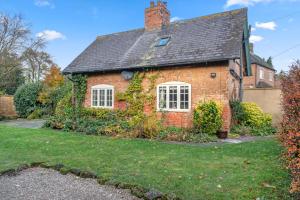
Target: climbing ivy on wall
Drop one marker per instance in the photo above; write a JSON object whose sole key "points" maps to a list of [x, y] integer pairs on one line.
{"points": [[79, 91], [136, 98]]}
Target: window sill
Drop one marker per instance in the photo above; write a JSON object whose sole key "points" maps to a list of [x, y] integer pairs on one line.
{"points": [[174, 110], [102, 107]]}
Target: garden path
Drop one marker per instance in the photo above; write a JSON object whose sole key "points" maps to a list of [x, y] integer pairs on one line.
{"points": [[24, 123]]}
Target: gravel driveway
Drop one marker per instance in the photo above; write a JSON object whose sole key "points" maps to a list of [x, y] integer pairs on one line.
{"points": [[38, 183]]}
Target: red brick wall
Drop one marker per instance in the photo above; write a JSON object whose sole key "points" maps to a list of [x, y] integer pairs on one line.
{"points": [[156, 16], [233, 82], [203, 88], [7, 106], [267, 74], [252, 81]]}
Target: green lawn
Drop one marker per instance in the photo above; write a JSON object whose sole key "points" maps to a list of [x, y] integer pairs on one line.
{"points": [[238, 171]]}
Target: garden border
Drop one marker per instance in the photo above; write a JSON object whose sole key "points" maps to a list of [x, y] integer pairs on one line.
{"points": [[138, 191]]}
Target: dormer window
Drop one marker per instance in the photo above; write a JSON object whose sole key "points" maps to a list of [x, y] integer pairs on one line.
{"points": [[163, 41]]}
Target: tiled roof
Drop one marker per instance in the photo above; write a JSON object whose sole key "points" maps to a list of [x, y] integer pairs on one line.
{"points": [[255, 59], [204, 39], [262, 84]]}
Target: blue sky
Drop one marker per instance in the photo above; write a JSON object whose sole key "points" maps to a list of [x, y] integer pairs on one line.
{"points": [[71, 25]]}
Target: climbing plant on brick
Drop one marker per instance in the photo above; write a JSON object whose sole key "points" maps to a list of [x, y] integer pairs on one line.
{"points": [[136, 97], [80, 87]]}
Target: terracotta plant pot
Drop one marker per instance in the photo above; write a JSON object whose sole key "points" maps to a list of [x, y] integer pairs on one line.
{"points": [[222, 134]]}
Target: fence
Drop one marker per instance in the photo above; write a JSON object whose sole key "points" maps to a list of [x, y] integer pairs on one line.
{"points": [[268, 99], [7, 107]]}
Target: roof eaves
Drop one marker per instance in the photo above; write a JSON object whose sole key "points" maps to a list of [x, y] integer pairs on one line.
{"points": [[95, 70]]}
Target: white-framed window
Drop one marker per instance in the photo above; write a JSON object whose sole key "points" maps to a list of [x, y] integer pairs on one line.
{"points": [[271, 76], [102, 96], [174, 96], [261, 74]]}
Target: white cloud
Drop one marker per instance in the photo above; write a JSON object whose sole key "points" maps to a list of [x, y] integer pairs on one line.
{"points": [[174, 19], [230, 3], [253, 29], [255, 38], [291, 20], [266, 25], [50, 35], [43, 3]]}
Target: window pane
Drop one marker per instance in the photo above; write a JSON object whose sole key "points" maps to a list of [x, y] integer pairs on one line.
{"points": [[162, 97], [184, 97], [102, 98], [109, 98], [173, 97], [261, 74], [95, 97]]}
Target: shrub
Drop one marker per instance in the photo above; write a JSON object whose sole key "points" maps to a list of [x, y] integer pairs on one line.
{"points": [[52, 80], [254, 116], [54, 122], [238, 112], [249, 119], [36, 114], [208, 117], [64, 106], [26, 99], [290, 133], [102, 114], [184, 135], [91, 121], [54, 95], [64, 114], [264, 130], [151, 127], [241, 130], [254, 131]]}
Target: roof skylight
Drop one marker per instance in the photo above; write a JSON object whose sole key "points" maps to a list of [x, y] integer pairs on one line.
{"points": [[163, 41]]}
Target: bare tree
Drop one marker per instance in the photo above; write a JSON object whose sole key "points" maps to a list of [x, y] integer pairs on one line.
{"points": [[14, 33], [36, 61], [19, 50]]}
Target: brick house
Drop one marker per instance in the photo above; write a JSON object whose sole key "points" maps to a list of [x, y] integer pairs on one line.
{"points": [[263, 74], [197, 59]]}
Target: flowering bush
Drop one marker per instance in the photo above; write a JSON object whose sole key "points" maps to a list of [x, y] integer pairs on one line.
{"points": [[290, 133], [208, 117]]}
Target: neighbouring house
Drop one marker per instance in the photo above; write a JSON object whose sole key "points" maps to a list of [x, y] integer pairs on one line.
{"points": [[263, 74], [197, 59]]}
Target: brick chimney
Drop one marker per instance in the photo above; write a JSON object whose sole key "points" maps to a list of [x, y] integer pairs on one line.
{"points": [[157, 16]]}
